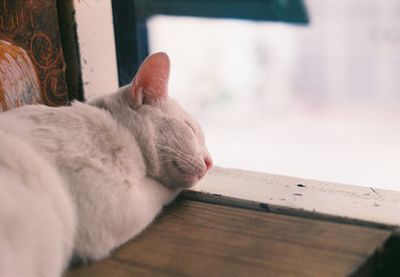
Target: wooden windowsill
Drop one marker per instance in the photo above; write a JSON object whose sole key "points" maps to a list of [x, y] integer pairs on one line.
{"points": [[237, 223], [192, 238], [296, 196]]}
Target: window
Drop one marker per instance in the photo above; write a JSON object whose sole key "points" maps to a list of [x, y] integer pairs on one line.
{"points": [[318, 101], [324, 93], [130, 21]]}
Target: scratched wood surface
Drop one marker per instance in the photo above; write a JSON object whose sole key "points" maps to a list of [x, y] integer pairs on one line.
{"points": [[300, 196], [193, 238]]}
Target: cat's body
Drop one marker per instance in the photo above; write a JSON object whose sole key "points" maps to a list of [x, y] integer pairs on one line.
{"points": [[118, 161], [37, 217]]}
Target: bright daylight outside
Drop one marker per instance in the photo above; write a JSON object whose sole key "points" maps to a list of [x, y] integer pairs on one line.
{"points": [[320, 101]]}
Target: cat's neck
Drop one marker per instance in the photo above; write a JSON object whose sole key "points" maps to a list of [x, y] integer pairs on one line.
{"points": [[137, 123]]}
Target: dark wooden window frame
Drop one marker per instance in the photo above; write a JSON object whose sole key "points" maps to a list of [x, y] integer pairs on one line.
{"points": [[130, 21]]}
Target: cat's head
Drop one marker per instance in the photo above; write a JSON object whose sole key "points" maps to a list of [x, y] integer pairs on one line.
{"points": [[171, 140]]}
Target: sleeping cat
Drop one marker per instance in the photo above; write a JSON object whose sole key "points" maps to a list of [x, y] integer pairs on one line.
{"points": [[82, 180]]}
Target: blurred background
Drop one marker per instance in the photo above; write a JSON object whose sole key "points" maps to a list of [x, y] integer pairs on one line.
{"points": [[320, 101]]}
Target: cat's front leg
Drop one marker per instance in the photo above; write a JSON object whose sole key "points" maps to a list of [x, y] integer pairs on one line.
{"points": [[124, 213], [160, 193]]}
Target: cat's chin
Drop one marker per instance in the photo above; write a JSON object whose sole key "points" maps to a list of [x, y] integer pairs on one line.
{"points": [[187, 176], [183, 182], [177, 179], [191, 180]]}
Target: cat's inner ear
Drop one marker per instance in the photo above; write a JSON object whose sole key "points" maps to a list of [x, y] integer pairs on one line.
{"points": [[150, 85]]}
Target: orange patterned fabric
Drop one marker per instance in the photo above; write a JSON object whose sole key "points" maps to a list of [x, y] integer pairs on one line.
{"points": [[19, 82], [32, 68]]}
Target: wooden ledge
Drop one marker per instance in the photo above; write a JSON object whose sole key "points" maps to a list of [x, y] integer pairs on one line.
{"points": [[196, 237], [192, 238], [297, 196]]}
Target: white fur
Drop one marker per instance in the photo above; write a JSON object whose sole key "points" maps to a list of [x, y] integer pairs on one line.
{"points": [[37, 218], [116, 162], [115, 200]]}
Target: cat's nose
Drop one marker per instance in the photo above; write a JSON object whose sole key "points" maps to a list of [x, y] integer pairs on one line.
{"points": [[208, 162]]}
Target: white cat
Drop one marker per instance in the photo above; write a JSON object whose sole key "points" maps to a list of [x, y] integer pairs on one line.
{"points": [[86, 178]]}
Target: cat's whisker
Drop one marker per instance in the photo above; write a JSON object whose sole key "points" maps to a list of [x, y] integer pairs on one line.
{"points": [[177, 145], [178, 153], [167, 161], [174, 150], [183, 158], [183, 163]]}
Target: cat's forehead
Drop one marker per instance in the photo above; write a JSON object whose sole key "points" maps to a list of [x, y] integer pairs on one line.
{"points": [[173, 109]]}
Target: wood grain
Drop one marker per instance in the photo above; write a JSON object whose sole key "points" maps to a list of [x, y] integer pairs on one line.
{"points": [[197, 239]]}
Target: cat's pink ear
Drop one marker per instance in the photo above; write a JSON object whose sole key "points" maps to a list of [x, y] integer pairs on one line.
{"points": [[150, 85]]}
